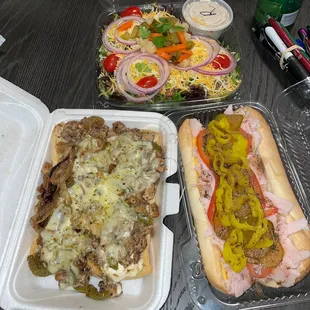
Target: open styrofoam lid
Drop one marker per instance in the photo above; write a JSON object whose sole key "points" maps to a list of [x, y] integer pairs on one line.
{"points": [[22, 119]]}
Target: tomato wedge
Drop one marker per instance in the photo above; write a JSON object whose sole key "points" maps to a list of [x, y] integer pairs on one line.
{"points": [[205, 159], [212, 205], [249, 139], [254, 180], [221, 61], [265, 271], [110, 62], [270, 211], [200, 147], [132, 10], [257, 188], [147, 82]]}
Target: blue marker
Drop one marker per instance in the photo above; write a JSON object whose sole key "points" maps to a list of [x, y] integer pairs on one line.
{"points": [[299, 42]]}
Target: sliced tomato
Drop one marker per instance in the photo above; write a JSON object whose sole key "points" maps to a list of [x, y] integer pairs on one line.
{"points": [[270, 211], [212, 205], [254, 179], [147, 82], [265, 271], [200, 147], [110, 63], [221, 61], [132, 10], [257, 188], [249, 139]]}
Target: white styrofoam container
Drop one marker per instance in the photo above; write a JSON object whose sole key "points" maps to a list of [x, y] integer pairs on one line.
{"points": [[25, 131]]}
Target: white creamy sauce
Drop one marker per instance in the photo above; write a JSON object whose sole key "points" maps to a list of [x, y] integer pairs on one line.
{"points": [[207, 14], [98, 207]]}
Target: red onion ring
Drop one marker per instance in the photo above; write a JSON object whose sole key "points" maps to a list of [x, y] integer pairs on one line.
{"points": [[124, 86], [214, 43], [124, 79], [210, 49], [232, 66], [122, 69], [164, 72], [112, 48]]}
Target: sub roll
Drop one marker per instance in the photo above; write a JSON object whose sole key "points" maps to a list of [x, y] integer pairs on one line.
{"points": [[249, 224]]}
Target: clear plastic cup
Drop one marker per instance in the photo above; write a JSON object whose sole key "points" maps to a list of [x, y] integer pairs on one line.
{"points": [[211, 22]]}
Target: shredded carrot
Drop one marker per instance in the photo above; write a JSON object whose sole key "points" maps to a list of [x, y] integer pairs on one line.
{"points": [[181, 37], [183, 57], [125, 26], [164, 55], [172, 49], [153, 35], [186, 52]]}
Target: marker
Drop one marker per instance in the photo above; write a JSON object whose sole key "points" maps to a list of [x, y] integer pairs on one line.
{"points": [[299, 42], [259, 32], [293, 64], [289, 41], [304, 37]]}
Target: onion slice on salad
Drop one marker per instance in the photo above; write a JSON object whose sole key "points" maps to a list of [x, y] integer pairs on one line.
{"points": [[164, 72], [210, 49], [215, 45], [123, 84], [119, 21], [232, 66]]}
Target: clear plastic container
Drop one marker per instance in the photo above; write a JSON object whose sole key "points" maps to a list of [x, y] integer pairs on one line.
{"points": [[25, 133], [293, 144], [229, 38], [292, 112]]}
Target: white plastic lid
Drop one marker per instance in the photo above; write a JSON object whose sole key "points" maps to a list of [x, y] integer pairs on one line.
{"points": [[25, 130], [22, 119]]}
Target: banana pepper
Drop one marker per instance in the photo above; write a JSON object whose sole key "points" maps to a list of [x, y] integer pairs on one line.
{"points": [[233, 251], [227, 148]]}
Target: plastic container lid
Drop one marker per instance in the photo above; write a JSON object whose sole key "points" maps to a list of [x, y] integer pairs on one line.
{"points": [[207, 17], [25, 132], [22, 118]]}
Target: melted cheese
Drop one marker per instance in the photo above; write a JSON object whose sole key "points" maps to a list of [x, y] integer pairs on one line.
{"points": [[98, 205], [61, 244]]}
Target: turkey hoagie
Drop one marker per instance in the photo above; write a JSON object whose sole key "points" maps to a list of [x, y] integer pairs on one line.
{"points": [[249, 224]]}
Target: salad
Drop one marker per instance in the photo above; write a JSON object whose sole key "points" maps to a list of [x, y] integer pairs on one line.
{"points": [[152, 57]]}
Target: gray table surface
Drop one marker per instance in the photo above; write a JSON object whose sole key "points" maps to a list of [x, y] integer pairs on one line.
{"points": [[49, 53]]}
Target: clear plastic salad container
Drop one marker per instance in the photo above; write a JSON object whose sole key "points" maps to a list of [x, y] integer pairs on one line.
{"points": [[290, 124], [229, 39], [25, 132]]}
